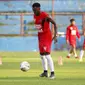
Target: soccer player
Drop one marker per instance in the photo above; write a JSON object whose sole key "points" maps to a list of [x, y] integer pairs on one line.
{"points": [[42, 23], [71, 34], [83, 48]]}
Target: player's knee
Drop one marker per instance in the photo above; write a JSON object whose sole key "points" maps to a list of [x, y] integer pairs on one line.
{"points": [[73, 47], [41, 57], [45, 53], [42, 54]]}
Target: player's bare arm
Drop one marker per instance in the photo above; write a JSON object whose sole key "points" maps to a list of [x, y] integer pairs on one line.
{"points": [[67, 42], [83, 32], [49, 19]]}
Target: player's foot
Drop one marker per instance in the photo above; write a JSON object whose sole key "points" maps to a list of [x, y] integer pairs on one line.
{"points": [[44, 74], [68, 56], [52, 76]]}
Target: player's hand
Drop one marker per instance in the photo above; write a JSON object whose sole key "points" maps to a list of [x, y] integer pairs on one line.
{"points": [[55, 39], [84, 33], [67, 42]]}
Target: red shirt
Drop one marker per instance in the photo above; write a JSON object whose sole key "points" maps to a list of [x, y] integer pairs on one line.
{"points": [[71, 34], [44, 32]]}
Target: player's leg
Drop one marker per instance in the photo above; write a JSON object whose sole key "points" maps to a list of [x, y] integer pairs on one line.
{"points": [[44, 61], [70, 52], [46, 58], [49, 59], [74, 51], [82, 52], [51, 64], [81, 55], [44, 65], [45, 50]]}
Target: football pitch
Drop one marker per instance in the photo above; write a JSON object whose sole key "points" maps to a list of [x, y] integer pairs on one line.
{"points": [[71, 73]]}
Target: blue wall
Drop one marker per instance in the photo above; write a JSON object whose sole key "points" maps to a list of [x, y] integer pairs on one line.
{"points": [[29, 43], [18, 44]]}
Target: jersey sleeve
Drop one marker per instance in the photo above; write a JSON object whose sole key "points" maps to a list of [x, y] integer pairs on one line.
{"points": [[45, 14]]}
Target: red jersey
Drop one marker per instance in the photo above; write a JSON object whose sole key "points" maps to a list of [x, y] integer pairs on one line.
{"points": [[71, 34], [44, 32]]}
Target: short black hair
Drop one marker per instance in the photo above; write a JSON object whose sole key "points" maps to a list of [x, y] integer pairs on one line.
{"points": [[71, 20], [36, 5]]}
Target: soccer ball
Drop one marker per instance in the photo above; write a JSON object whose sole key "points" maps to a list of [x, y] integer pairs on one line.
{"points": [[24, 66]]}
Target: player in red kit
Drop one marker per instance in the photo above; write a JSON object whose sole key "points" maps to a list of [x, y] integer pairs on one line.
{"points": [[71, 34], [42, 24], [83, 48]]}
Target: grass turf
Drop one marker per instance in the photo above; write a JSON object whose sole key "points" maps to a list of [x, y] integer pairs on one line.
{"points": [[71, 73]]}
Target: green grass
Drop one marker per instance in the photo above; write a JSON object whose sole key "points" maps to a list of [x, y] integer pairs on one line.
{"points": [[71, 73]]}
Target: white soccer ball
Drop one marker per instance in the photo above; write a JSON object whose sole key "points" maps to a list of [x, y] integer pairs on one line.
{"points": [[24, 66]]}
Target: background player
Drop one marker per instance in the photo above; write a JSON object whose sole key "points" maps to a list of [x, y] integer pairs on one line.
{"points": [[83, 48], [71, 34], [42, 24]]}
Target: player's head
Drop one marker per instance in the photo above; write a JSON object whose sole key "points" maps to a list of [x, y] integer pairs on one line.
{"points": [[36, 8], [72, 21]]}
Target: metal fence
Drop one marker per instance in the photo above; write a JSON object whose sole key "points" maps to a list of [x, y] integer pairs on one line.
{"points": [[21, 24], [16, 18]]}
